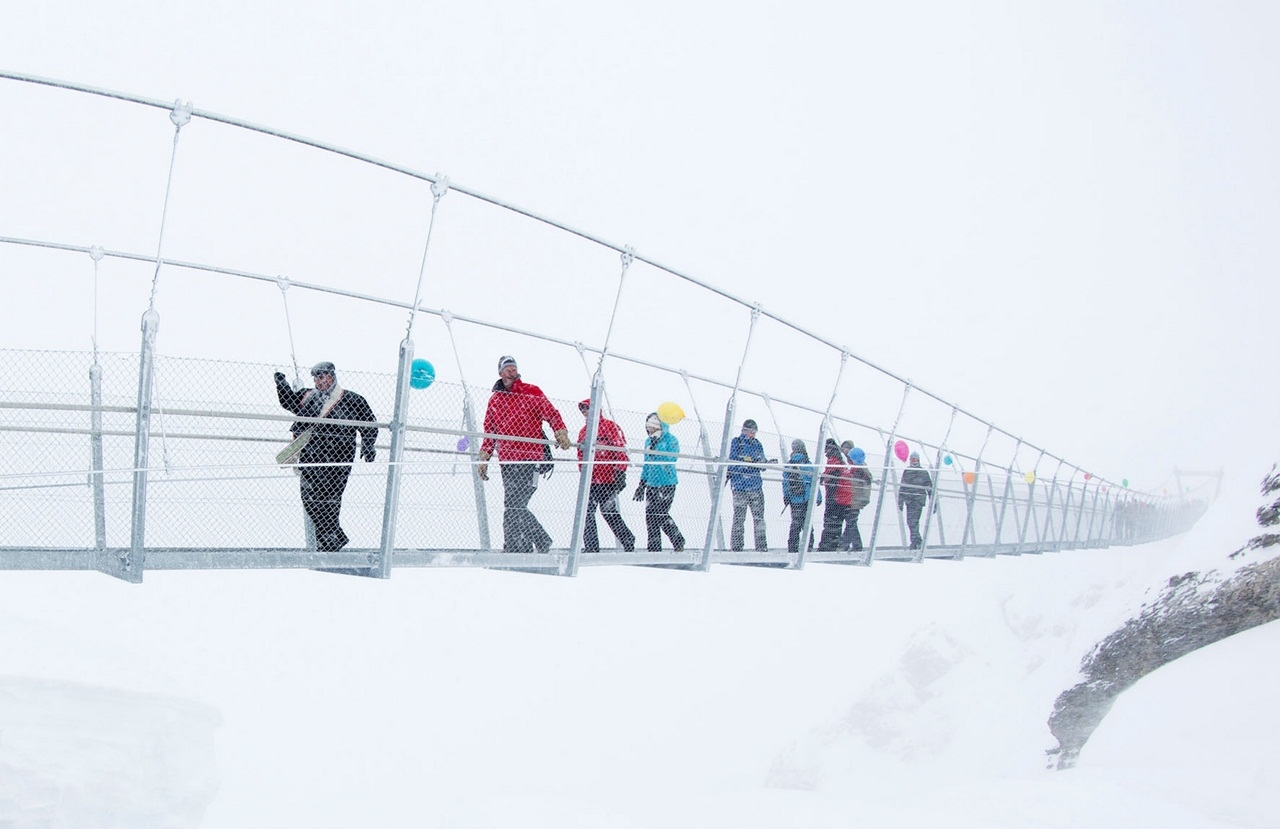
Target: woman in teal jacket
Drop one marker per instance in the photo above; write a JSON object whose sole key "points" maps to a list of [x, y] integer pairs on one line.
{"points": [[797, 481], [658, 484]]}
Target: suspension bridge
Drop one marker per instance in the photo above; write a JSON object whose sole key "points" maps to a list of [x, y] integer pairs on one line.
{"points": [[123, 461]]}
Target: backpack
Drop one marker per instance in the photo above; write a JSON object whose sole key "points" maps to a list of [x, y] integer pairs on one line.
{"points": [[861, 491], [794, 483]]}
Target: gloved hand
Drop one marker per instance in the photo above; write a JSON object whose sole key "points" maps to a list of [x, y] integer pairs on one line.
{"points": [[368, 453], [639, 496], [482, 469], [562, 438], [900, 503], [281, 380]]}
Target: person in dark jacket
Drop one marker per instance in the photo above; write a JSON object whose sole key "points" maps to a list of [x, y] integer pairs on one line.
{"points": [[518, 409], [325, 462], [797, 485], [608, 478], [839, 485], [747, 487], [913, 493], [861, 477], [658, 484]]}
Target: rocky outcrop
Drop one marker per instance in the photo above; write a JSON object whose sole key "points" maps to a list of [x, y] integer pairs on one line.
{"points": [[1191, 611]]}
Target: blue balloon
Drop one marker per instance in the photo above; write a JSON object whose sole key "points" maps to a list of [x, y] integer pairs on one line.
{"points": [[947, 460], [421, 374]]}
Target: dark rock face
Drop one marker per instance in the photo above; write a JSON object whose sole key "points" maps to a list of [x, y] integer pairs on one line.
{"points": [[1268, 514], [1193, 610]]}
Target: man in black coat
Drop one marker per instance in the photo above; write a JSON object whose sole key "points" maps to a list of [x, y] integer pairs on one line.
{"points": [[914, 493], [325, 462]]}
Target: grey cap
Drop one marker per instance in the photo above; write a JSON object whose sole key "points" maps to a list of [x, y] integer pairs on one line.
{"points": [[504, 361], [324, 367]]}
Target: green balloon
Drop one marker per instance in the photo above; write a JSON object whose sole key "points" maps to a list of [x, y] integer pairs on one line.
{"points": [[1125, 483]]}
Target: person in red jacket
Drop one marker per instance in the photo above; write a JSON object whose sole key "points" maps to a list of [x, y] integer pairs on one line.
{"points": [[517, 410], [608, 478], [838, 480]]}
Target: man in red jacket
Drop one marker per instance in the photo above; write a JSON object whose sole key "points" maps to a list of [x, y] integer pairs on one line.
{"points": [[517, 410], [608, 478]]}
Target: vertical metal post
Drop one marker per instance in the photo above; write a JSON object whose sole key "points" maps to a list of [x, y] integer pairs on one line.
{"points": [[717, 493], [971, 496], [473, 453], [1031, 500], [129, 566], [399, 417], [932, 507], [817, 465], [1075, 538], [482, 506], [1008, 488], [1109, 517], [705, 443], [95, 450], [570, 565], [717, 481], [1093, 514], [1048, 509], [884, 478], [1066, 508]]}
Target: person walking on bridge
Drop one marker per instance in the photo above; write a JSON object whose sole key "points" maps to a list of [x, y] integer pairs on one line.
{"points": [[837, 478], [913, 493], [325, 462], [517, 410], [747, 487], [658, 484], [861, 476], [608, 478], [797, 484]]}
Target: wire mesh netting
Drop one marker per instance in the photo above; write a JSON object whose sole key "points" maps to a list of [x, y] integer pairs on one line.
{"points": [[215, 481]]}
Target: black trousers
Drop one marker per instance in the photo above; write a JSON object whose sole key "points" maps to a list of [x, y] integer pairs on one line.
{"points": [[657, 517], [521, 532], [832, 525], [798, 513], [605, 498], [852, 538], [913, 523], [322, 488]]}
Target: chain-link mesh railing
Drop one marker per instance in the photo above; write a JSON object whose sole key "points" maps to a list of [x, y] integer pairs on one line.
{"points": [[216, 485]]}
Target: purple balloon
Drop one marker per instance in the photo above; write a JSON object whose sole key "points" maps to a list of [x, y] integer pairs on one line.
{"points": [[463, 443]]}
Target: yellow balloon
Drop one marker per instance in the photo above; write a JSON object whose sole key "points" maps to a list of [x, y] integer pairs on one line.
{"points": [[1030, 477], [670, 413]]}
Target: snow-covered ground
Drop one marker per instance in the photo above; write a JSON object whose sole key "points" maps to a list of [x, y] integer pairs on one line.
{"points": [[895, 696]]}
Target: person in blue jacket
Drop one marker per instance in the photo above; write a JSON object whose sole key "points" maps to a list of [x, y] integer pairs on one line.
{"points": [[747, 487], [658, 484], [797, 484]]}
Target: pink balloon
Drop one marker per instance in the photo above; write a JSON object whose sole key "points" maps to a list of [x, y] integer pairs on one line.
{"points": [[900, 449]]}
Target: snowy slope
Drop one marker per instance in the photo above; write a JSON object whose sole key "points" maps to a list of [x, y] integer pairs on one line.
{"points": [[898, 695]]}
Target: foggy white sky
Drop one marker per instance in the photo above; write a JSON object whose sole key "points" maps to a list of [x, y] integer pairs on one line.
{"points": [[1059, 216]]}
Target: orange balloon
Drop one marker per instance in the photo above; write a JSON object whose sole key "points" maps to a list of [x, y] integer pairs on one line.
{"points": [[969, 477]]}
